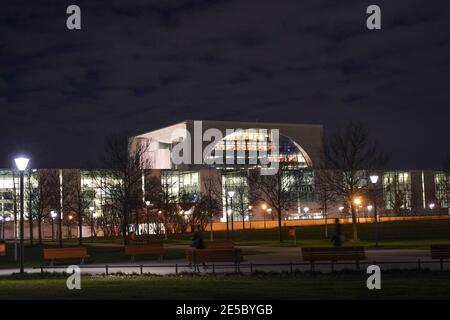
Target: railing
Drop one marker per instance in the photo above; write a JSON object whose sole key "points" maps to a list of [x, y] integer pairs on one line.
{"points": [[444, 265]]}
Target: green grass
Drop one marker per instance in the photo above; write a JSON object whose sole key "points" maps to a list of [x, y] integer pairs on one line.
{"points": [[398, 234], [395, 285], [98, 254]]}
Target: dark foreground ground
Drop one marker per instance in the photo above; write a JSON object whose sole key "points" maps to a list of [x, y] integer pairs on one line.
{"points": [[394, 284]]}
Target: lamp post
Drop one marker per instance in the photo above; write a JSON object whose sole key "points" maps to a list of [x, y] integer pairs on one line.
{"points": [[264, 207], [269, 211], [231, 195], [21, 164], [306, 210], [250, 216], [226, 215], [431, 206], [53, 215], [69, 227], [374, 180], [147, 212]]}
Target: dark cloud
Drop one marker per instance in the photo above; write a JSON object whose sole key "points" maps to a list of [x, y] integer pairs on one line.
{"points": [[138, 65]]}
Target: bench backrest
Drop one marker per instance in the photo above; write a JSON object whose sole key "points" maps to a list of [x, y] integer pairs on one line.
{"points": [[219, 244], [148, 248], [333, 254], [65, 253], [440, 251]]}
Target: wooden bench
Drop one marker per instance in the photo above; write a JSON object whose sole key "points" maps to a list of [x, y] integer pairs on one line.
{"points": [[440, 252], [65, 254], [334, 254], [145, 249], [2, 249]]}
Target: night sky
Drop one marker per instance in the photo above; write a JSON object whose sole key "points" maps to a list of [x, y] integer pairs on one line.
{"points": [[138, 65]]}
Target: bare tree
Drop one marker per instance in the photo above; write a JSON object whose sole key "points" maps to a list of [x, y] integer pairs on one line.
{"points": [[211, 197], [121, 177], [278, 190], [241, 197], [44, 197], [324, 193], [77, 199], [396, 196], [349, 156]]}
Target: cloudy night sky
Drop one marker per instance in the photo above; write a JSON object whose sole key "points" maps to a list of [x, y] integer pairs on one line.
{"points": [[138, 65]]}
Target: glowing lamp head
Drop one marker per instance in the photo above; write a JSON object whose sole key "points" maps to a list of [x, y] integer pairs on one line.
{"points": [[369, 207], [306, 209], [231, 194], [341, 209], [21, 163], [357, 201], [374, 178], [432, 205], [264, 206], [147, 203], [53, 214], [91, 208]]}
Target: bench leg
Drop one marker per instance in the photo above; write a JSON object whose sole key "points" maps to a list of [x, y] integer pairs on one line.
{"points": [[82, 261], [132, 258]]}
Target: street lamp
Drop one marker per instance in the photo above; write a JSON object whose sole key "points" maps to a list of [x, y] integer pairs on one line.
{"points": [[249, 215], [431, 206], [21, 164], [69, 227], [306, 210], [269, 211], [341, 209], [231, 195], [374, 179], [264, 207], [53, 215]]}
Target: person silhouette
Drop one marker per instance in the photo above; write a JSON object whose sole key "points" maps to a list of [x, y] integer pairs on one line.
{"points": [[337, 237]]}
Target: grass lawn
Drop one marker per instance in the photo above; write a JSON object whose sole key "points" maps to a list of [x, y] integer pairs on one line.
{"points": [[399, 234], [395, 285]]}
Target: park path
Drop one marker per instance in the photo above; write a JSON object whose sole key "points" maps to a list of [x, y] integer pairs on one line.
{"points": [[270, 256]]}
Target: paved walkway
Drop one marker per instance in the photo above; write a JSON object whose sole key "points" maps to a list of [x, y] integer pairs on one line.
{"points": [[260, 258]]}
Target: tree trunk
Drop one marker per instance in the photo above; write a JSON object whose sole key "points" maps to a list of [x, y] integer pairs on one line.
{"points": [[80, 229], [30, 221], [125, 229], [354, 224], [39, 221], [280, 235]]}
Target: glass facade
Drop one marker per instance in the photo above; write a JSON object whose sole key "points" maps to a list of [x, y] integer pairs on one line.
{"points": [[251, 146], [9, 192], [180, 181], [397, 191], [442, 184]]}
